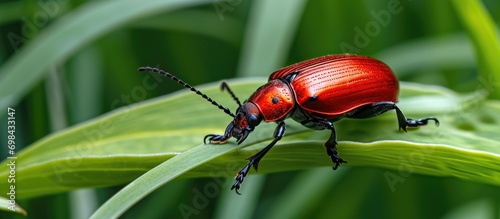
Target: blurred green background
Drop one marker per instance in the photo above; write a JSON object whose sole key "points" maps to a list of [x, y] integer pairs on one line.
{"points": [[88, 70]]}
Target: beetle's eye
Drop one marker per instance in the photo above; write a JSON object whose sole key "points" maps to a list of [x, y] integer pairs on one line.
{"points": [[253, 120], [275, 100]]}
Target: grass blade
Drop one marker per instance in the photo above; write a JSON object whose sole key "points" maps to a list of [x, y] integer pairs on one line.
{"points": [[156, 177], [483, 33]]}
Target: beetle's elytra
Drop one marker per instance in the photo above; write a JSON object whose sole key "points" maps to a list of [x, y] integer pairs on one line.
{"points": [[315, 93]]}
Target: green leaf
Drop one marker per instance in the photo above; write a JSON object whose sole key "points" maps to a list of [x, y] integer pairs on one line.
{"points": [[156, 177], [482, 31], [118, 147]]}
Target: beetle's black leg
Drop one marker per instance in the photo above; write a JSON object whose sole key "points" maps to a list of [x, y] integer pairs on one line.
{"points": [[407, 122], [213, 139], [254, 160], [331, 145], [219, 139], [420, 122], [382, 107]]}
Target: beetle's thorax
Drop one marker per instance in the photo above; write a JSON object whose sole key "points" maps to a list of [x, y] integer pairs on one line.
{"points": [[275, 100]]}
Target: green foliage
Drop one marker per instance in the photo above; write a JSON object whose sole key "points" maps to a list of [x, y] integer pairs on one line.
{"points": [[484, 35], [83, 121]]}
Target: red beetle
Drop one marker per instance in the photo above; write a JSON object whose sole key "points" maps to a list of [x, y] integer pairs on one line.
{"points": [[315, 93]]}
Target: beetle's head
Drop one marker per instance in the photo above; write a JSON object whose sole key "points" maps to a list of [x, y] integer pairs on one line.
{"points": [[247, 117]]}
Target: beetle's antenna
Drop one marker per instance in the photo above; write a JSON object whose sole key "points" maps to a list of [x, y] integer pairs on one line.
{"points": [[168, 75], [224, 86]]}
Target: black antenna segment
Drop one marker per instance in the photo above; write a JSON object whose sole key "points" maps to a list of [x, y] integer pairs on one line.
{"points": [[168, 75], [224, 86]]}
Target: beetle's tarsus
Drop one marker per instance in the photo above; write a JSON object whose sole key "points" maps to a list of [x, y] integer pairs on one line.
{"points": [[215, 139], [241, 176], [255, 165], [337, 161], [412, 123], [237, 191], [254, 162], [255, 159], [420, 122], [332, 152], [331, 145], [210, 137]]}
